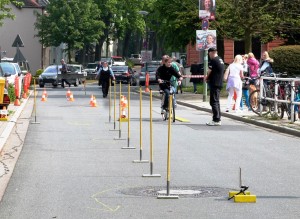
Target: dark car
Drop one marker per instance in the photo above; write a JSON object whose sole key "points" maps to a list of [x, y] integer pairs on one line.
{"points": [[49, 76], [124, 74]]}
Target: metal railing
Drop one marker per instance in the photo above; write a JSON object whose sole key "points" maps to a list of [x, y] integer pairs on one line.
{"points": [[275, 99]]}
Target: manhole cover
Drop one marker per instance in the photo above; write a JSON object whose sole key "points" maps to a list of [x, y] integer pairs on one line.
{"points": [[188, 192]]}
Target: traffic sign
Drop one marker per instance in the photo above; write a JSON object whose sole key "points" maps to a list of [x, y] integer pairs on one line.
{"points": [[18, 42]]}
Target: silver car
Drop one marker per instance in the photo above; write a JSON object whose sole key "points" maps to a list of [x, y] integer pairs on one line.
{"points": [[152, 75]]}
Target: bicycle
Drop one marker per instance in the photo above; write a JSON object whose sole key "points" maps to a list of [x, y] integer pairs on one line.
{"points": [[165, 112], [268, 106]]}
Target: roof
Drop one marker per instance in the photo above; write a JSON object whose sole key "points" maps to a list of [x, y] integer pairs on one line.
{"points": [[33, 3]]}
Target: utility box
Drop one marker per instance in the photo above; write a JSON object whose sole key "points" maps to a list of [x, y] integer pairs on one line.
{"points": [[2, 86]]}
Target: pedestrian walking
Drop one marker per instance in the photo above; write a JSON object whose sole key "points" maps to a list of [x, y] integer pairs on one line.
{"points": [[215, 81], [234, 83], [105, 73], [64, 71]]}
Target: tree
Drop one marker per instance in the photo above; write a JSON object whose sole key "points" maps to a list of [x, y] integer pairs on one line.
{"points": [[72, 22], [5, 11]]}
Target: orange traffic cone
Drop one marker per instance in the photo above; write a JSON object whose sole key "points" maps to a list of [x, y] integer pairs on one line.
{"points": [[234, 98], [71, 98], [44, 98], [17, 102], [94, 103], [68, 93], [91, 100], [45, 92], [147, 82], [24, 95]]}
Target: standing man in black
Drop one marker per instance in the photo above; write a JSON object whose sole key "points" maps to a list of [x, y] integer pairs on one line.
{"points": [[64, 70], [215, 81]]}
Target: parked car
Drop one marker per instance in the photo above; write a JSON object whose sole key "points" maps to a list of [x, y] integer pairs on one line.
{"points": [[151, 63], [118, 60], [124, 74], [24, 65], [79, 70], [91, 70], [13, 69], [49, 76], [136, 59], [108, 60], [152, 75], [52, 75], [6, 99]]}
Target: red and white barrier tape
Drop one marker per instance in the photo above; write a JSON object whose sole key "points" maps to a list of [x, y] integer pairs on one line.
{"points": [[193, 76]]}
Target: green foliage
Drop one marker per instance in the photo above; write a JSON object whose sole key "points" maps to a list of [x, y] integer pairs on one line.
{"points": [[130, 63], [36, 76], [11, 92], [5, 11], [286, 59], [73, 22]]}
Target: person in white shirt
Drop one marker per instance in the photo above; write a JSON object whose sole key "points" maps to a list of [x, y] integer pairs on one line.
{"points": [[234, 83]]}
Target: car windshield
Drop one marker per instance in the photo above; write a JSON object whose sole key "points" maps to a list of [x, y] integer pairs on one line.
{"points": [[52, 69], [152, 68], [92, 65], [118, 59], [119, 68], [8, 68], [73, 68], [135, 56]]}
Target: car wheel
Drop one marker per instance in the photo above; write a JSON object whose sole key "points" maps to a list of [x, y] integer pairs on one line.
{"points": [[41, 85], [141, 83]]}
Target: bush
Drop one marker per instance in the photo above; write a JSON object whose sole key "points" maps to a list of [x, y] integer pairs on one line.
{"points": [[286, 59], [36, 76], [11, 92], [130, 63]]}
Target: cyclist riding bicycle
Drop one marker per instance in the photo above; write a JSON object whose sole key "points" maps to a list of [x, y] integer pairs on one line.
{"points": [[164, 74]]}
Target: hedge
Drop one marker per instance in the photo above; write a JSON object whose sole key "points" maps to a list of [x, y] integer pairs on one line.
{"points": [[286, 59]]}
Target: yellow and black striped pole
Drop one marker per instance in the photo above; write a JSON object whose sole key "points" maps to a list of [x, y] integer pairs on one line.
{"points": [[120, 113], [141, 145], [168, 194]]}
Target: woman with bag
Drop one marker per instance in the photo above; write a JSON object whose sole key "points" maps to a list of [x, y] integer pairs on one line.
{"points": [[234, 82]]}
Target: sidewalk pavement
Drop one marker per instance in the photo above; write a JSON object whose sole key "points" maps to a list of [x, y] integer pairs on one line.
{"points": [[281, 125], [186, 99]]}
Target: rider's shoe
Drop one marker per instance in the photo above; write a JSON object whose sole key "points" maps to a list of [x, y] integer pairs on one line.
{"points": [[162, 111]]}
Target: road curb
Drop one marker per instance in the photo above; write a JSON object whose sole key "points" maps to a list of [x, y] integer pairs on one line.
{"points": [[11, 123]]}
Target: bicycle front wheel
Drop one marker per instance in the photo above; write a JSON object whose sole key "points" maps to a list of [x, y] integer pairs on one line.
{"points": [[255, 102]]}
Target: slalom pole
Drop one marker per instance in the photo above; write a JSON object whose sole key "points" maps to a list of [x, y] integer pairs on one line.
{"points": [[115, 93], [151, 143], [168, 195], [120, 114], [109, 102], [34, 103], [128, 138], [141, 145]]}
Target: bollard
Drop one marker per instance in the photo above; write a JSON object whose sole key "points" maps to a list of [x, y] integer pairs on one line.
{"points": [[115, 94], [151, 143], [34, 103], [109, 102], [168, 195], [141, 145], [128, 127], [120, 113]]}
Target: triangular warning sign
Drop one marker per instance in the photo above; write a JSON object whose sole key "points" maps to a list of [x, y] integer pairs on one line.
{"points": [[18, 42], [19, 56]]}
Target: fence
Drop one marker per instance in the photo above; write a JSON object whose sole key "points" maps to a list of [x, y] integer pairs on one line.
{"points": [[275, 99]]}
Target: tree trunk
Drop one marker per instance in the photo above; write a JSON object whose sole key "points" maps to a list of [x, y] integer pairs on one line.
{"points": [[248, 41], [126, 44], [99, 48]]}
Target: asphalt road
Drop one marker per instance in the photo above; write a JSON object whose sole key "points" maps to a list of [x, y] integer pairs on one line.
{"points": [[72, 165]]}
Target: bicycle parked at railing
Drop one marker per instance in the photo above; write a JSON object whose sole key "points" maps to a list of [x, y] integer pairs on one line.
{"points": [[286, 107], [165, 111], [268, 106]]}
